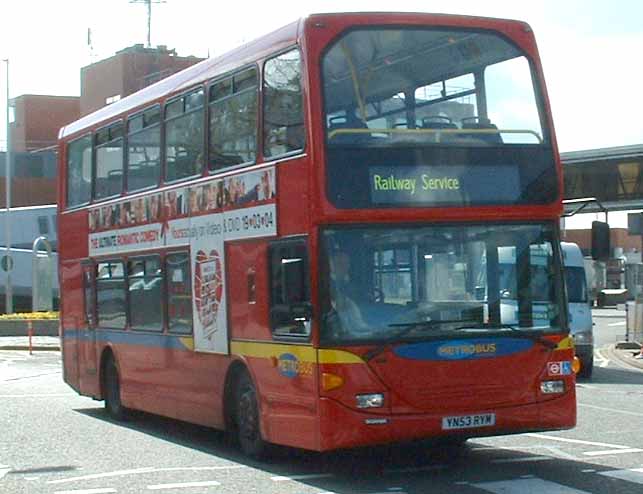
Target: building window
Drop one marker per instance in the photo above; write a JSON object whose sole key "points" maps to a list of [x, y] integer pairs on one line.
{"points": [[144, 150], [283, 115], [233, 120], [179, 292], [109, 161], [79, 171], [184, 136], [110, 294], [145, 281]]}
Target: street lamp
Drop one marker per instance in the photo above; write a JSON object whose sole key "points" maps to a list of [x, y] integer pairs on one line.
{"points": [[7, 219]]}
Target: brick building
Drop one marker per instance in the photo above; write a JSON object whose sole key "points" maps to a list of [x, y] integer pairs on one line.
{"points": [[126, 72], [38, 119]]}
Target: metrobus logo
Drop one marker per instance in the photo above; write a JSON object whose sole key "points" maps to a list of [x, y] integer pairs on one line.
{"points": [[463, 349], [466, 350], [290, 366]]}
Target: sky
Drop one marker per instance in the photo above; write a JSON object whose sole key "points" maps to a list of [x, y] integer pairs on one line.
{"points": [[590, 49]]}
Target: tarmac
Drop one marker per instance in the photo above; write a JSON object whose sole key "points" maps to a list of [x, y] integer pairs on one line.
{"points": [[627, 353]]}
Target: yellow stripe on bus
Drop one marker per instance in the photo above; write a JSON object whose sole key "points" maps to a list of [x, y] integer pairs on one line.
{"points": [[565, 344], [304, 353]]}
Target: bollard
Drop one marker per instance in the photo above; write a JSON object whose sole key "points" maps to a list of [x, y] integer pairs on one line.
{"points": [[30, 333]]}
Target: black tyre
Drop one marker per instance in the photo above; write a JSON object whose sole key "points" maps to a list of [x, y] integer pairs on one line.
{"points": [[247, 419], [586, 368], [112, 392]]}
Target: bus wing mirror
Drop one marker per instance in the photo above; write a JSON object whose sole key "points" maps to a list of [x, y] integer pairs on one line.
{"points": [[600, 241]]}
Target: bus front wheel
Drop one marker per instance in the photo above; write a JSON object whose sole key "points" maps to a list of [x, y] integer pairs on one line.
{"points": [[247, 418], [112, 393]]}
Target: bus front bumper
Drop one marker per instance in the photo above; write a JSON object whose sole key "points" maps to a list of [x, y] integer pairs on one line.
{"points": [[341, 427]]}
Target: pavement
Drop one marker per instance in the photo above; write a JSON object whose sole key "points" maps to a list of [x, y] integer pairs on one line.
{"points": [[38, 343]]}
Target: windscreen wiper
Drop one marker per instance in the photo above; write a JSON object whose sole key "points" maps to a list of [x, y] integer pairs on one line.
{"points": [[404, 329], [535, 336]]}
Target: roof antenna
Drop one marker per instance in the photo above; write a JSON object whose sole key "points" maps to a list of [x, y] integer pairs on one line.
{"points": [[149, 17]]}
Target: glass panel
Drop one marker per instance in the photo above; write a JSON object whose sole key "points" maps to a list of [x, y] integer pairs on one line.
{"points": [[233, 130], [152, 116], [79, 171], [144, 158], [179, 288], [184, 146], [245, 80], [221, 89], [283, 110], [109, 169], [110, 294], [423, 282], [174, 108], [394, 86], [194, 100], [135, 124], [145, 285]]}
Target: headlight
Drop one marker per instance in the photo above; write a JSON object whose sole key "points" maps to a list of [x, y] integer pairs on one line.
{"points": [[552, 387], [585, 338], [373, 400]]}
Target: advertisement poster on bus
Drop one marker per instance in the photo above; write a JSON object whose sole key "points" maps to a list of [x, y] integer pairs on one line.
{"points": [[202, 217]]}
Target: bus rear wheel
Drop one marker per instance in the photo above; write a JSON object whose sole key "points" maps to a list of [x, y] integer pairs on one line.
{"points": [[112, 392], [247, 419]]}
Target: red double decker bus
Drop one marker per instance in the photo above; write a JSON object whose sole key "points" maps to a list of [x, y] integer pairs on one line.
{"points": [[344, 233]]}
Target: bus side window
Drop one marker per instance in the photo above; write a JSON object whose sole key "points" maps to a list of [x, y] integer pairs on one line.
{"points": [[283, 113], [179, 292], [290, 307]]}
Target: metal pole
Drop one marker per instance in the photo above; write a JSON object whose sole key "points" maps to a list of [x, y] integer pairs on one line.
{"points": [[7, 220], [149, 23]]}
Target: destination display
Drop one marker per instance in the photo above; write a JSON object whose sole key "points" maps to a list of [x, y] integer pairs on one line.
{"points": [[443, 185]]}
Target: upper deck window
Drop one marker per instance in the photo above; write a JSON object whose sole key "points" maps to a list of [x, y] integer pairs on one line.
{"points": [[109, 161], [79, 171], [184, 136], [283, 126], [429, 86], [233, 120], [437, 109], [144, 149]]}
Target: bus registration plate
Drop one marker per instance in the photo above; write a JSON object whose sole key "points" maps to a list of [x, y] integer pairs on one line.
{"points": [[468, 421]]}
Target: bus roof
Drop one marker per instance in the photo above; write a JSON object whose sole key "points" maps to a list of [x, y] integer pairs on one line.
{"points": [[238, 57]]}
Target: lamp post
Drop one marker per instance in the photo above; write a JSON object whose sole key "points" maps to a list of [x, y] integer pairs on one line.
{"points": [[7, 219]]}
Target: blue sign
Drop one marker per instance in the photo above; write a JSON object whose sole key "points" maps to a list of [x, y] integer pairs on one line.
{"points": [[478, 348], [288, 365]]}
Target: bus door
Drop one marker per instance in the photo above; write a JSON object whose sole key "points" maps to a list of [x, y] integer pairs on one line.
{"points": [[88, 366]]}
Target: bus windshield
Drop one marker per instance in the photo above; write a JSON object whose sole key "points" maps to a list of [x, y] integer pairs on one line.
{"points": [[446, 108], [425, 282]]}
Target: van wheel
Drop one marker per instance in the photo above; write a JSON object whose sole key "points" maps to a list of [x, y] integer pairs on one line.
{"points": [[247, 419], [112, 387], [586, 368]]}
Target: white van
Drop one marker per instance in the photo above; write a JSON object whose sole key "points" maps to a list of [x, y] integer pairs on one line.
{"points": [[579, 308], [580, 312]]}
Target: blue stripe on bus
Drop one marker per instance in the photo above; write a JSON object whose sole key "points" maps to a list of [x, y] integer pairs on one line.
{"points": [[160, 340]]}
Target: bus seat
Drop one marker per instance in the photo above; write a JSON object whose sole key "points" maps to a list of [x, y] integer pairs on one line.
{"points": [[439, 122], [347, 122], [476, 123]]}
